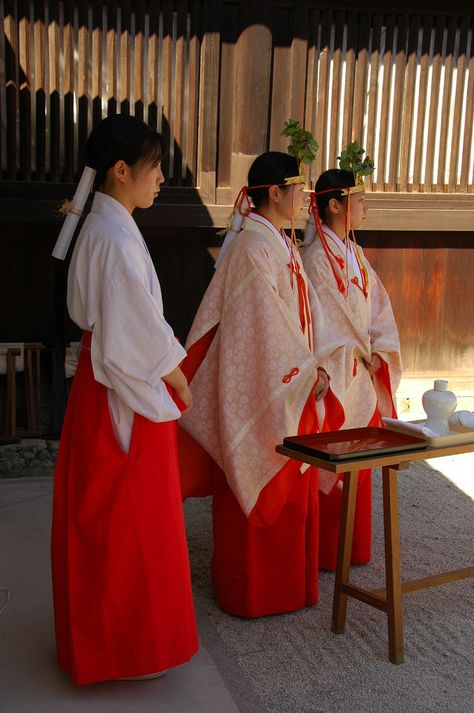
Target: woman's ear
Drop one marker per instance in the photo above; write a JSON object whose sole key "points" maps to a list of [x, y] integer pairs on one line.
{"points": [[334, 206], [119, 171], [274, 194]]}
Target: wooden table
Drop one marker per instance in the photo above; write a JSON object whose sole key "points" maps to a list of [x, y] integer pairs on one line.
{"points": [[388, 599]]}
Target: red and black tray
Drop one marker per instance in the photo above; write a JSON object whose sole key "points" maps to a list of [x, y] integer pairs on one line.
{"points": [[353, 443]]}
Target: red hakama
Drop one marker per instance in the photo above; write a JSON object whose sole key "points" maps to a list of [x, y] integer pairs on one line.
{"points": [[121, 583]]}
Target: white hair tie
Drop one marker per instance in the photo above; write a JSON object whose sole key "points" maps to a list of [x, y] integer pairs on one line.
{"points": [[74, 212]]}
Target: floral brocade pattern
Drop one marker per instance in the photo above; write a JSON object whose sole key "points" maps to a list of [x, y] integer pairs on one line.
{"points": [[243, 404], [347, 331]]}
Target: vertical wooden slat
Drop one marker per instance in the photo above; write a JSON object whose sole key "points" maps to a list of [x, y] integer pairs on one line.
{"points": [[312, 81], [111, 52], [39, 98], [349, 97], [167, 117], [281, 79], [137, 58], [458, 91], [469, 120], [179, 89], [337, 58], [69, 91], [24, 59], [61, 138], [125, 93], [404, 181], [422, 95], [54, 90], [32, 83], [397, 105], [193, 81], [153, 60], [444, 108], [208, 88], [299, 51], [11, 93], [254, 52], [98, 81], [386, 61], [432, 138], [322, 105], [227, 88], [82, 120], [360, 78], [373, 93], [3, 81]]}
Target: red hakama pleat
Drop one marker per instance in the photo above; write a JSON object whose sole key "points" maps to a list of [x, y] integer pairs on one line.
{"points": [[121, 583], [259, 570]]}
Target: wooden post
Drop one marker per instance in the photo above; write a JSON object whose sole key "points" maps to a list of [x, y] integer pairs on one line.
{"points": [[392, 564], [344, 551]]}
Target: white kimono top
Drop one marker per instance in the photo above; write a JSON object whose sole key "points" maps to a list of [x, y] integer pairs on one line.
{"points": [[251, 388], [113, 291]]}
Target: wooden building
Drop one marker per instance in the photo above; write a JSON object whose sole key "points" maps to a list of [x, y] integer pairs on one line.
{"points": [[218, 78]]}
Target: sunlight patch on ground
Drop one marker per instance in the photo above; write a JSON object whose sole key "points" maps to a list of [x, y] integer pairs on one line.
{"points": [[458, 469]]}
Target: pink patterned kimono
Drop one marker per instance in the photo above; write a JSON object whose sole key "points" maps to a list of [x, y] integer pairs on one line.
{"points": [[354, 321], [252, 373]]}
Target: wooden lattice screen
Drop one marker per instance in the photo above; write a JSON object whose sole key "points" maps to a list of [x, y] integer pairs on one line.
{"points": [[219, 77]]}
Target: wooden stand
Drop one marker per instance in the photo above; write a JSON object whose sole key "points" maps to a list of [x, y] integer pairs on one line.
{"points": [[32, 369], [388, 599]]}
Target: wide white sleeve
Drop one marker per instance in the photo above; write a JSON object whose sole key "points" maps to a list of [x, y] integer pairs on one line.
{"points": [[133, 347]]}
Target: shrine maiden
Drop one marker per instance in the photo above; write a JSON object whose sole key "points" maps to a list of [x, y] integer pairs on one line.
{"points": [[121, 583], [356, 341], [254, 379]]}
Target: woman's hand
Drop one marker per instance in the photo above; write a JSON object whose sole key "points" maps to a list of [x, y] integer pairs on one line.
{"points": [[178, 382], [322, 385], [185, 395], [374, 364]]}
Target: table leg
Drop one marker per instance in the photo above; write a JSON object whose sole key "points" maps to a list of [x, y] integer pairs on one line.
{"points": [[392, 564], [344, 550]]}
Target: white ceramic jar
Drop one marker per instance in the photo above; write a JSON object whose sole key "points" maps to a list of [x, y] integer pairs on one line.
{"points": [[439, 404]]}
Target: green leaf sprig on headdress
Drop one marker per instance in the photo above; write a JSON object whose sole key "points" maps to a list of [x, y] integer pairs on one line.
{"points": [[351, 160], [302, 146]]}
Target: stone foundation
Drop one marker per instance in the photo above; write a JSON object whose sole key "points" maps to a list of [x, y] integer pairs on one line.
{"points": [[30, 454]]}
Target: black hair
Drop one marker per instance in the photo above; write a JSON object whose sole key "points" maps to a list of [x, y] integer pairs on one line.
{"points": [[335, 178], [121, 137], [270, 169]]}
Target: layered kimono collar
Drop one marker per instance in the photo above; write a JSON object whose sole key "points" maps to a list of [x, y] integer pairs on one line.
{"points": [[331, 234], [255, 221], [114, 212]]}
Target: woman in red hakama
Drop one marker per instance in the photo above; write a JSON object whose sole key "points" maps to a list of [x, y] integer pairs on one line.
{"points": [[356, 340], [121, 582], [254, 379]]}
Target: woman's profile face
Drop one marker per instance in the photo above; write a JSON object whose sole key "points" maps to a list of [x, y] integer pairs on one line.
{"points": [[291, 201], [145, 184], [359, 209]]}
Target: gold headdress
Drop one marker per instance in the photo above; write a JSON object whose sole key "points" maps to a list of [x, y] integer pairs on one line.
{"points": [[351, 160], [303, 147]]}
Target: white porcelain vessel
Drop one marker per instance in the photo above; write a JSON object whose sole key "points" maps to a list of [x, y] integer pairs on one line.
{"points": [[439, 404]]}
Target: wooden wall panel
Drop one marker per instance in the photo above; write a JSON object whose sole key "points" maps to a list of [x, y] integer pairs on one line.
{"points": [[430, 293], [430, 289], [219, 78]]}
